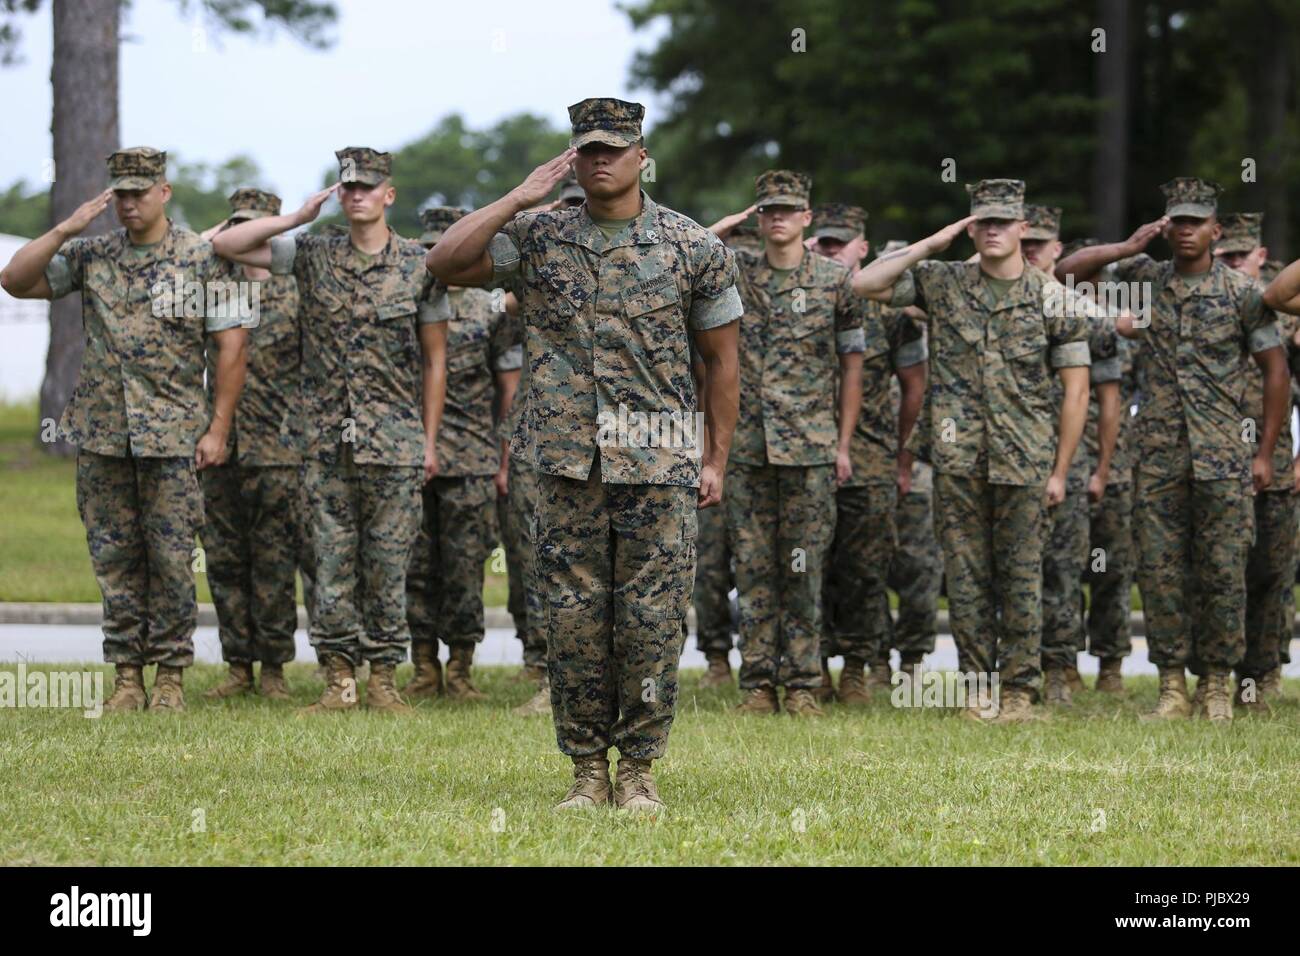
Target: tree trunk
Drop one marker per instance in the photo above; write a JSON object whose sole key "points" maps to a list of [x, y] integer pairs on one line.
{"points": [[1110, 172], [1269, 88], [84, 77]]}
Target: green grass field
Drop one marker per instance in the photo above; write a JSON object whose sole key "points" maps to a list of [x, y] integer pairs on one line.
{"points": [[249, 782], [43, 554]]}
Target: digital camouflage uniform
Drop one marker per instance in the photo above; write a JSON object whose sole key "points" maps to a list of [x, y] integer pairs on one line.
{"points": [[1065, 554], [363, 432], [992, 423], [444, 582], [856, 597], [136, 415], [254, 536], [608, 331], [781, 481], [1193, 515], [916, 571], [1271, 561]]}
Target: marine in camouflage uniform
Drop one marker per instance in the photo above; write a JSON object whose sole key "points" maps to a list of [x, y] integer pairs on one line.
{"points": [[1271, 563], [515, 515], [1109, 568], [1065, 553], [992, 424], [139, 415], [370, 323], [916, 570], [444, 582], [611, 307], [856, 597], [254, 530], [801, 329], [1194, 465]]}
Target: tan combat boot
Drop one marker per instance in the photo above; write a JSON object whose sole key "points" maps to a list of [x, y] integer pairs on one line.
{"points": [[853, 686], [1270, 685], [1198, 698], [1072, 679], [128, 689], [719, 672], [539, 704], [458, 682], [1110, 679], [528, 674], [381, 690], [1251, 698], [635, 788], [1173, 703], [427, 681], [1016, 706], [590, 784], [759, 700], [1056, 687], [271, 683], [340, 687], [239, 680], [1218, 699], [827, 689], [801, 702], [167, 691], [879, 680]]}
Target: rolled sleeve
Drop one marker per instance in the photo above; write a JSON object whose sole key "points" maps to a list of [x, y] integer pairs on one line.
{"points": [[512, 359], [1070, 355], [284, 250], [1264, 338], [850, 340], [1106, 370], [904, 291], [710, 313], [58, 273], [437, 309], [505, 257], [910, 353]]}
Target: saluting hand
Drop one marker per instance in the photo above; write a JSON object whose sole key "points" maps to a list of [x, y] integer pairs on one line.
{"points": [[942, 239], [86, 213], [543, 179], [311, 208], [1143, 235], [723, 227]]}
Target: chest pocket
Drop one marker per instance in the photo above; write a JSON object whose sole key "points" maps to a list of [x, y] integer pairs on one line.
{"points": [[655, 313], [1217, 336], [328, 299], [108, 289], [388, 311]]}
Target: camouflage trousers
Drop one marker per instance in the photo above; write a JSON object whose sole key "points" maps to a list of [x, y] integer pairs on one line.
{"points": [[1110, 585], [141, 517], [1065, 555], [781, 522], [254, 540], [515, 517], [364, 520], [1192, 539], [856, 596], [615, 566], [444, 579], [713, 583], [916, 575], [1270, 574], [992, 540]]}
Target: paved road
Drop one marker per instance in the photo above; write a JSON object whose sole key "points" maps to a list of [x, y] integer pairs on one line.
{"points": [[54, 643]]}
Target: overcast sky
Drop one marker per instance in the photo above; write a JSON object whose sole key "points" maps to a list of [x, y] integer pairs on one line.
{"points": [[395, 69]]}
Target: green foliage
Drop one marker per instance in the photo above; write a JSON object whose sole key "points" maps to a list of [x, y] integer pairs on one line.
{"points": [[24, 211]]}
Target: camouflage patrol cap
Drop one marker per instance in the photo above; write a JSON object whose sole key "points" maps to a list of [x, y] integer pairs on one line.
{"points": [[997, 199], [569, 188], [605, 120], [1074, 245], [136, 168], [249, 203], [1241, 232], [783, 187], [435, 220], [835, 220], [893, 245], [361, 164], [1189, 196], [1044, 222]]}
